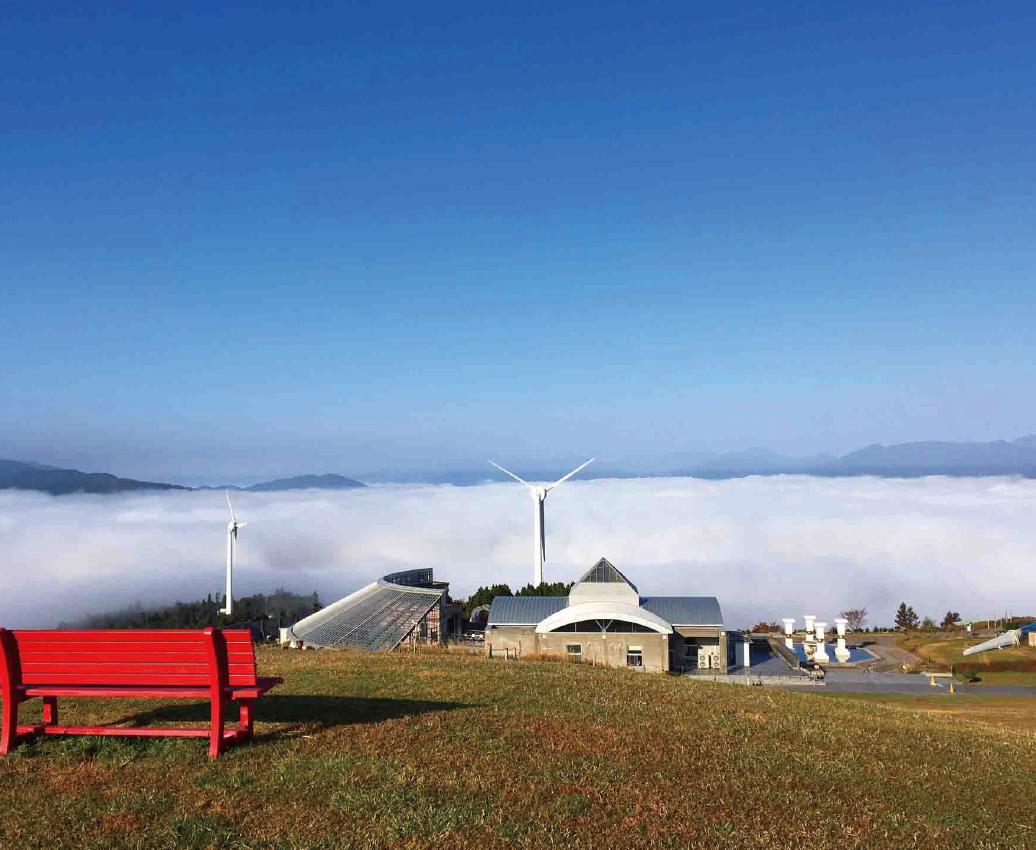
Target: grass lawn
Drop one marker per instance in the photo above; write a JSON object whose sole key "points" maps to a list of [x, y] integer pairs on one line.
{"points": [[1014, 665], [1006, 712], [450, 751]]}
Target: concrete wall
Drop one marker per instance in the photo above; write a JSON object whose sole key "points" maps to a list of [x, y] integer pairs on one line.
{"points": [[609, 650], [600, 591]]}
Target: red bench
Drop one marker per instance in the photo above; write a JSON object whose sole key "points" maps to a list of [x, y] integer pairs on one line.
{"points": [[162, 664]]}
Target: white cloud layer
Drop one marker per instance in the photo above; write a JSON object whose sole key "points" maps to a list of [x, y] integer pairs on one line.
{"points": [[767, 547]]}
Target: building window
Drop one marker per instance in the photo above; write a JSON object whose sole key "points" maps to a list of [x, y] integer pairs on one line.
{"points": [[574, 651], [634, 656]]}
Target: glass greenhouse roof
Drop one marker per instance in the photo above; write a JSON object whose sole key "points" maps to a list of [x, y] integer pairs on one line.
{"points": [[378, 616]]}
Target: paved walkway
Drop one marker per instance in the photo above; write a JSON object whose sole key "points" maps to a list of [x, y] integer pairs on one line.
{"points": [[862, 680], [853, 681]]}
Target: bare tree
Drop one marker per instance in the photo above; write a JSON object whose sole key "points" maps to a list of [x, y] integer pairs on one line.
{"points": [[857, 618]]}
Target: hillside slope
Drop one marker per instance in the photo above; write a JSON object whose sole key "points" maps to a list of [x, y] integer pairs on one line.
{"points": [[405, 750]]}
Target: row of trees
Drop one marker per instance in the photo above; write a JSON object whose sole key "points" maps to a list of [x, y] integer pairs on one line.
{"points": [[906, 618], [280, 605], [485, 595]]}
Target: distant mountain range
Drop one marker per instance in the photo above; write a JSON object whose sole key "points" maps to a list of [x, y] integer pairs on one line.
{"points": [[19, 475], [59, 482], [299, 482], [905, 460]]}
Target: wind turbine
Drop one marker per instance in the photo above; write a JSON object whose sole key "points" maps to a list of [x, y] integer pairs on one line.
{"points": [[232, 528], [539, 496]]}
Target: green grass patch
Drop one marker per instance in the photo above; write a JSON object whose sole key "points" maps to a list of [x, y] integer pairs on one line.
{"points": [[1015, 665], [428, 749]]}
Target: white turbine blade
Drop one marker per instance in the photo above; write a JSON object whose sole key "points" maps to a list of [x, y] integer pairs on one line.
{"points": [[515, 477], [573, 472], [240, 524], [227, 494]]}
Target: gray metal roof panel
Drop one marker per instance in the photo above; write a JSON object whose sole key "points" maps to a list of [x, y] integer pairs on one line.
{"points": [[524, 610], [685, 610]]}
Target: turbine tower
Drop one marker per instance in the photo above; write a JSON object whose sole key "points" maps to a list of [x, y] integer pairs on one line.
{"points": [[232, 528], [539, 532]]}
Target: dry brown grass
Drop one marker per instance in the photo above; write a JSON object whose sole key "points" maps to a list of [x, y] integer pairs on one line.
{"points": [[996, 711], [419, 750]]}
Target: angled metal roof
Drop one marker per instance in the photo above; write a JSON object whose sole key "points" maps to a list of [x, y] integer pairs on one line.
{"points": [[377, 616], [685, 610], [524, 610]]}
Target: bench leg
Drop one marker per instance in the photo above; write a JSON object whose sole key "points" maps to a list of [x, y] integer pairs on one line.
{"points": [[216, 745], [246, 719], [9, 729], [50, 711]]}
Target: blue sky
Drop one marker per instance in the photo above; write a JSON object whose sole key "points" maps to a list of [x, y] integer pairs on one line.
{"points": [[257, 240]]}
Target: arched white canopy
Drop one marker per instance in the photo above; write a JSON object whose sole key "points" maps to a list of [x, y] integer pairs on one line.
{"points": [[604, 611]]}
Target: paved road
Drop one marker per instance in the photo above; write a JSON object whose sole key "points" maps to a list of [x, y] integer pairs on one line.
{"points": [[890, 657], [853, 681]]}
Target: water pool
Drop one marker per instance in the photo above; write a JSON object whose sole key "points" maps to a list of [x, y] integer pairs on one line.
{"points": [[855, 654]]}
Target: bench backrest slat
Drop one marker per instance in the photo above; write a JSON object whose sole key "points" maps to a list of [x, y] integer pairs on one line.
{"points": [[126, 657]]}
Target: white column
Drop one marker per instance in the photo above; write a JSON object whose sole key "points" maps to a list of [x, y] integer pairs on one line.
{"points": [[789, 630], [809, 622], [841, 651], [821, 653]]}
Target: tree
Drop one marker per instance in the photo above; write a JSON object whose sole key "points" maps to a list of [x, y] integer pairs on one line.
{"points": [[857, 618], [906, 617], [484, 596], [556, 588], [951, 620], [928, 624], [763, 627]]}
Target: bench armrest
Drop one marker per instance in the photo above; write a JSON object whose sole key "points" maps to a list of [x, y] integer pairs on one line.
{"points": [[262, 685]]}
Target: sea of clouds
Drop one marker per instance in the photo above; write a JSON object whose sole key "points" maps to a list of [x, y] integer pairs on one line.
{"points": [[768, 547]]}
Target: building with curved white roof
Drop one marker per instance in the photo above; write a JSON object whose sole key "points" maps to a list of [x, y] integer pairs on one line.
{"points": [[604, 620]]}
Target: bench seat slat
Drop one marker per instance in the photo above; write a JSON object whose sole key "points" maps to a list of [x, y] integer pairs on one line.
{"points": [[114, 680], [35, 669], [107, 636], [126, 647], [28, 654], [149, 692], [45, 662], [123, 679]]}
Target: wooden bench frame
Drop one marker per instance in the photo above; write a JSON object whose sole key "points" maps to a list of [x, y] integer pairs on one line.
{"points": [[152, 668]]}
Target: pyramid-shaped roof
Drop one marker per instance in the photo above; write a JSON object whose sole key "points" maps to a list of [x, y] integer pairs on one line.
{"points": [[605, 571]]}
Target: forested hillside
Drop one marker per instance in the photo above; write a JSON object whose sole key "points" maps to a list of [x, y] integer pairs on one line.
{"points": [[280, 605]]}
